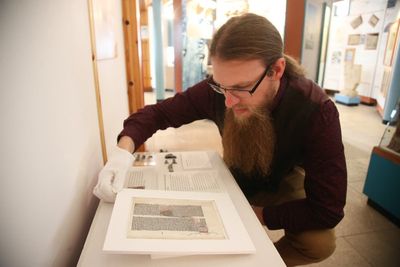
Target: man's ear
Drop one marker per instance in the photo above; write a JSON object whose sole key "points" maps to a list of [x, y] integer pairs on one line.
{"points": [[277, 69]]}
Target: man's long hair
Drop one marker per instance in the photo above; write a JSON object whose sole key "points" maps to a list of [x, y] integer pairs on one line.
{"points": [[251, 36]]}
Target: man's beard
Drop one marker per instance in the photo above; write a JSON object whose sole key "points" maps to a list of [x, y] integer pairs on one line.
{"points": [[249, 142]]}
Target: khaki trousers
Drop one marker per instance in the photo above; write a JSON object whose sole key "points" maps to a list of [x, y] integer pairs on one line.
{"points": [[297, 248]]}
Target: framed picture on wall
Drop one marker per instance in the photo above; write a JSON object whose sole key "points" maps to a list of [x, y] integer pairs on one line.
{"points": [[385, 81], [356, 22], [373, 20], [349, 55], [391, 43], [371, 41], [354, 39]]}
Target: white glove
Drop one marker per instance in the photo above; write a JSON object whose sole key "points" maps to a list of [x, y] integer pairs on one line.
{"points": [[112, 176]]}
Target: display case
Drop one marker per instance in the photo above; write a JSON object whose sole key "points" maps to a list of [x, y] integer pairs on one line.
{"points": [[382, 184]]}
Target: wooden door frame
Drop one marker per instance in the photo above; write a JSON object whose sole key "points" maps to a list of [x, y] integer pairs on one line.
{"points": [[131, 26], [178, 44], [133, 62], [294, 24]]}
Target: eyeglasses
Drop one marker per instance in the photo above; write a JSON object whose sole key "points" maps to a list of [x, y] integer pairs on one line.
{"points": [[239, 93]]}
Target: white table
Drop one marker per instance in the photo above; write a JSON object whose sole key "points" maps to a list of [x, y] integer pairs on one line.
{"points": [[266, 254]]}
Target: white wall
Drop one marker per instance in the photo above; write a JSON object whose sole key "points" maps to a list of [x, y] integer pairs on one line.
{"points": [[112, 77], [392, 14], [49, 138], [340, 29]]}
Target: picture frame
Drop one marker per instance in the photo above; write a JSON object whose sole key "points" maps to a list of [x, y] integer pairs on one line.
{"points": [[385, 81], [371, 41], [354, 39], [373, 20], [391, 43], [349, 55], [355, 23]]}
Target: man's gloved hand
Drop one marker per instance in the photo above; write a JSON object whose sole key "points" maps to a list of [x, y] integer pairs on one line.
{"points": [[112, 176]]}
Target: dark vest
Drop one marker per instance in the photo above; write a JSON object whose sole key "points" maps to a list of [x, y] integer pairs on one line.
{"points": [[291, 119]]}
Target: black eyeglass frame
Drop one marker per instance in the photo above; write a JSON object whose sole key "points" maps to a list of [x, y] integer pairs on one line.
{"points": [[221, 90]]}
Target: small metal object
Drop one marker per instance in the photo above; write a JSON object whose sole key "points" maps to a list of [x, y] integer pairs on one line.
{"points": [[171, 168], [170, 156]]}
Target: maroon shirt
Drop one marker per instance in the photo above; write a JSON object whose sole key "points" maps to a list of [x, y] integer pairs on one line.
{"points": [[324, 163]]}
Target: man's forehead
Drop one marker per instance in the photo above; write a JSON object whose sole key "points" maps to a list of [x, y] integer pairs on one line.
{"points": [[236, 72]]}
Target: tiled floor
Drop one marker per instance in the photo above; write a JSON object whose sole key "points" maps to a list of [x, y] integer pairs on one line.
{"points": [[364, 237]]}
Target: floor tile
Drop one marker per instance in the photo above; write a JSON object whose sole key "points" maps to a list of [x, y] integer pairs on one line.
{"points": [[353, 152], [357, 169], [358, 186], [360, 217], [378, 248]]}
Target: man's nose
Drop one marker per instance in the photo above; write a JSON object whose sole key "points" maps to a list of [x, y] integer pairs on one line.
{"points": [[230, 100]]}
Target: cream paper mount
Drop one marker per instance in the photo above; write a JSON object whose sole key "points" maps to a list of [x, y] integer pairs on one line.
{"points": [[172, 223]]}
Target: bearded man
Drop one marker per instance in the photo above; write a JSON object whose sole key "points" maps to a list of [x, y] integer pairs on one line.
{"points": [[280, 133]]}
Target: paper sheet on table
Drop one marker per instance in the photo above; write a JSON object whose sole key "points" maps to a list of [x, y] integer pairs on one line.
{"points": [[196, 181], [195, 160]]}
